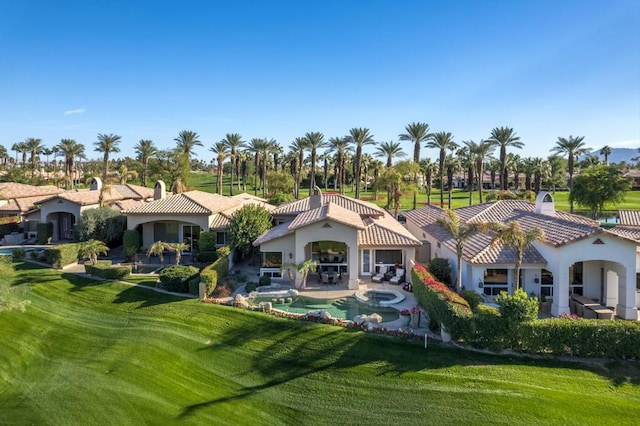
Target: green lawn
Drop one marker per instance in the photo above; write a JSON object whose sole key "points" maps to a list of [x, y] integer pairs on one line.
{"points": [[207, 182], [87, 352]]}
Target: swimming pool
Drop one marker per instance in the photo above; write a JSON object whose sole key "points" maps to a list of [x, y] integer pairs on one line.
{"points": [[9, 251], [344, 308]]}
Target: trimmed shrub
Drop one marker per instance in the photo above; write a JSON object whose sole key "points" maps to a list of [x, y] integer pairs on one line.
{"points": [[223, 251], [131, 242], [176, 278], [251, 286], [440, 268], [264, 280], [216, 271], [487, 329], [518, 307], [207, 242], [45, 231], [103, 224], [17, 254], [104, 269], [194, 285], [62, 255], [207, 256], [472, 298], [444, 306]]}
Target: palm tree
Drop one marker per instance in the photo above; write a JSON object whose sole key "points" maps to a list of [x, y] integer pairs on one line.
{"points": [[187, 140], [366, 162], [427, 168], [389, 150], [482, 151], [145, 149], [255, 147], [124, 174], [468, 162], [493, 167], [106, 144], [33, 146], [340, 146], [511, 235], [70, 149], [276, 151], [17, 147], [304, 268], [416, 133], [360, 136], [442, 141], [314, 141], [4, 156], [541, 170], [606, 152], [297, 147], [47, 153], [460, 233], [91, 250], [179, 248], [513, 163], [220, 149], [504, 137], [326, 159], [573, 148], [234, 142], [157, 249], [452, 164]]}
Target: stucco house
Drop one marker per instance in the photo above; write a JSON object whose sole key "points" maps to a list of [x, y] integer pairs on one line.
{"points": [[181, 217], [350, 237], [577, 255]]}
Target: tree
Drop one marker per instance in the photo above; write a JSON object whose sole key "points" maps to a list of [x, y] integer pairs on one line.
{"points": [[179, 248], [302, 268], [280, 183], [234, 142], [468, 162], [106, 144], [504, 137], [70, 150], [416, 133], [427, 168], [157, 249], [314, 141], [220, 149], [452, 164], [340, 146], [297, 148], [573, 148], [511, 235], [389, 150], [187, 140], [145, 149], [606, 152], [103, 224], [247, 224], [460, 233], [34, 147], [482, 151], [359, 136], [598, 185], [92, 249], [396, 180], [442, 141]]}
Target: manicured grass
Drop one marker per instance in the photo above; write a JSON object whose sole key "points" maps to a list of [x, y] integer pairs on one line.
{"points": [[87, 352], [142, 280], [207, 182]]}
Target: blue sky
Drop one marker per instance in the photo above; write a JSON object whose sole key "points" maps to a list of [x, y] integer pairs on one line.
{"points": [[278, 69]]}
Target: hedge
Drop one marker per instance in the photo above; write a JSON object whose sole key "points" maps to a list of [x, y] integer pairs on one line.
{"points": [[211, 274], [104, 269], [62, 255], [131, 242], [443, 305], [176, 278], [45, 231]]}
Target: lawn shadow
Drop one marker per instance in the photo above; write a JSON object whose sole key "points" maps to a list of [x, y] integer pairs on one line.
{"points": [[147, 296]]}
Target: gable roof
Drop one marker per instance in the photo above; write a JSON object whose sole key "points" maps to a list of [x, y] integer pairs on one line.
{"points": [[629, 217], [13, 190], [628, 232], [191, 202], [328, 211], [357, 206], [86, 197]]}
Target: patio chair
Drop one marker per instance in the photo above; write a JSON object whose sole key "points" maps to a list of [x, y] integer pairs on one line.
{"points": [[325, 278], [398, 277], [379, 277]]}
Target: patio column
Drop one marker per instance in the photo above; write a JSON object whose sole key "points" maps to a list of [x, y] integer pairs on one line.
{"points": [[354, 282], [560, 291], [626, 307], [55, 235], [299, 257]]}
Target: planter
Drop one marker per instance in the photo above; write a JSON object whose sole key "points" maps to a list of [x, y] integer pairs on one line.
{"points": [[415, 319], [444, 334], [404, 320]]}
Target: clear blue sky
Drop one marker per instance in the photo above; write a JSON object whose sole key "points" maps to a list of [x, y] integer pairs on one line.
{"points": [[278, 69]]}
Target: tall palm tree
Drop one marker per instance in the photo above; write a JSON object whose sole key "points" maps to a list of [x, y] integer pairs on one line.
{"points": [[340, 146], [389, 150], [573, 147], [504, 137], [325, 157], [606, 152], [255, 147], [514, 164], [297, 148], [46, 151], [17, 147], [276, 151], [452, 164], [360, 136], [365, 164], [234, 142], [33, 146], [145, 149], [468, 162], [442, 141], [314, 141], [511, 235], [427, 168], [482, 151], [70, 149], [266, 150], [416, 133], [187, 140], [541, 170], [220, 149], [460, 233], [4, 156], [107, 144], [55, 150]]}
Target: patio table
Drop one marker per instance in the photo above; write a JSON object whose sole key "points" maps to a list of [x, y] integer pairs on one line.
{"points": [[602, 312]]}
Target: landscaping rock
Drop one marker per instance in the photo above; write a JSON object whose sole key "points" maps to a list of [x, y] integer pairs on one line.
{"points": [[240, 301], [360, 319], [265, 306], [374, 318]]}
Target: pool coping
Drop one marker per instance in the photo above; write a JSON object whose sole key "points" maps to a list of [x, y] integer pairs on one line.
{"points": [[399, 297]]}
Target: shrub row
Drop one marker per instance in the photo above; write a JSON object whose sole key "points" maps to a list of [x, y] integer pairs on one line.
{"points": [[104, 269], [444, 306], [62, 255], [211, 274]]}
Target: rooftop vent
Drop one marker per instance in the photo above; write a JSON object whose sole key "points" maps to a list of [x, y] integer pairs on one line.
{"points": [[545, 204], [159, 190]]}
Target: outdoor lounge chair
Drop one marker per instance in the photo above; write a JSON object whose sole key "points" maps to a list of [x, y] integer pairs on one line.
{"points": [[379, 277], [398, 277], [325, 278]]}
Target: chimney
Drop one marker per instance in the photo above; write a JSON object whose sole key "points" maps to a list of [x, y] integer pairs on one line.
{"points": [[545, 204], [315, 200], [96, 184], [159, 190]]}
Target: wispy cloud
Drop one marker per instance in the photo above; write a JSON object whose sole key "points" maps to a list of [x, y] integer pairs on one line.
{"points": [[633, 143], [74, 111]]}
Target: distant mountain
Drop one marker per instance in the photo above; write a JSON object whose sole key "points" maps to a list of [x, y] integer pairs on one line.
{"points": [[617, 155]]}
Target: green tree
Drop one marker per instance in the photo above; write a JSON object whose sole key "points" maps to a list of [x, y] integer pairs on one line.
{"points": [[598, 185], [34, 147], [281, 183], [359, 136], [340, 147], [314, 141], [70, 150], [481, 150], [247, 224], [296, 149], [606, 152], [92, 249], [187, 140], [504, 137], [389, 150], [145, 149], [179, 248], [397, 180], [302, 268], [511, 235], [220, 149], [234, 142], [573, 148], [157, 249], [442, 141], [106, 144]]}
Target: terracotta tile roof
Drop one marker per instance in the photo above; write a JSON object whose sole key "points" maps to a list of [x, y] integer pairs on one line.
{"points": [[191, 202], [220, 221], [123, 205], [117, 192], [629, 217], [386, 231], [22, 205], [425, 215], [357, 206], [12, 190], [246, 196], [328, 211], [273, 234], [628, 232]]}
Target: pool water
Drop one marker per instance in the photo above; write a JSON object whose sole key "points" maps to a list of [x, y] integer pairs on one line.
{"points": [[344, 308], [27, 250]]}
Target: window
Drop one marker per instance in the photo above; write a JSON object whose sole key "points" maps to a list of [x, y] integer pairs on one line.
{"points": [[389, 257], [221, 238], [166, 231], [495, 281], [271, 259], [190, 235], [546, 283], [366, 261], [575, 279]]}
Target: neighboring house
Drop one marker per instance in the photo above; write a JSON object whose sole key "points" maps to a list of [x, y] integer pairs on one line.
{"points": [[352, 236], [629, 228], [63, 210], [180, 218], [16, 199], [577, 256]]}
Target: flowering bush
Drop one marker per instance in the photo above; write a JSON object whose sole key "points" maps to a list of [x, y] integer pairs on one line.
{"points": [[405, 312], [415, 310]]}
